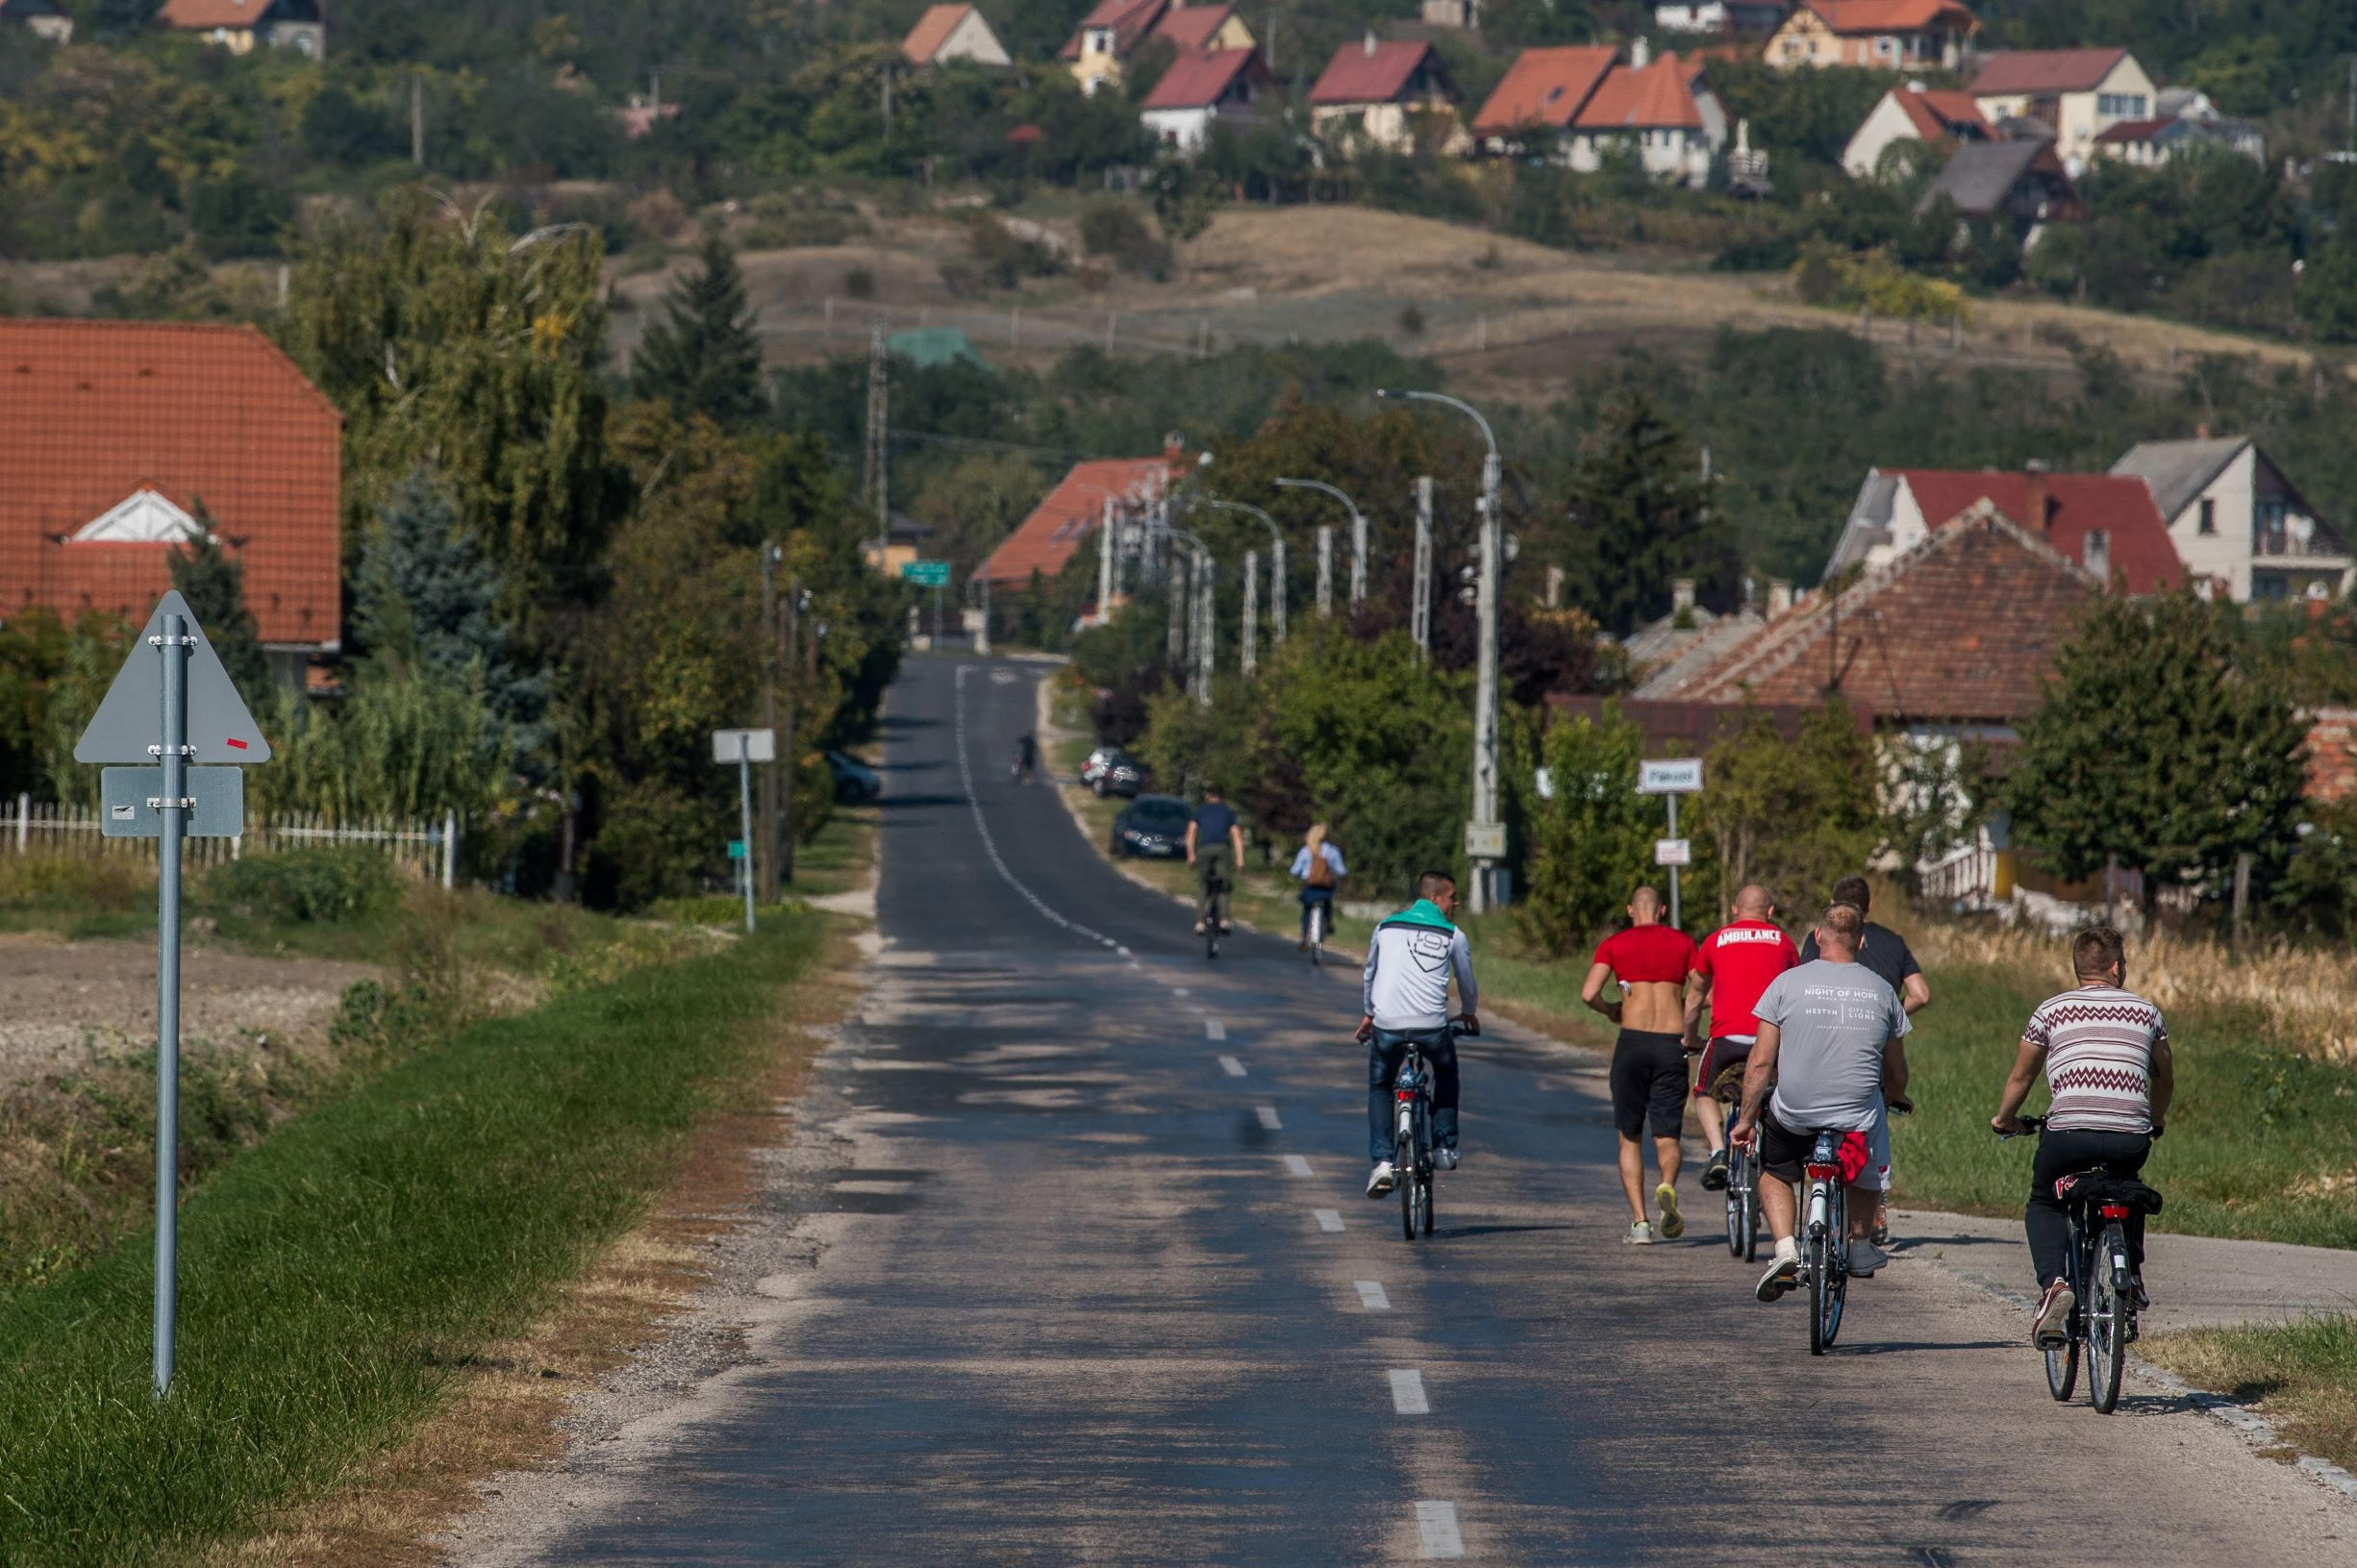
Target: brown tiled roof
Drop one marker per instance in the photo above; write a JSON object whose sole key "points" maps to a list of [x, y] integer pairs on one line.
{"points": [[205, 15], [1655, 97], [1192, 26], [1543, 88], [1046, 540], [1357, 74], [1197, 79], [98, 410], [2045, 70], [931, 31], [1129, 20], [2120, 504], [2123, 132], [1937, 114], [1962, 627], [1853, 16]]}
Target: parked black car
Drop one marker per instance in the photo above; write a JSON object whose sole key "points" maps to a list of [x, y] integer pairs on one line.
{"points": [[855, 781], [1112, 771], [1152, 826]]}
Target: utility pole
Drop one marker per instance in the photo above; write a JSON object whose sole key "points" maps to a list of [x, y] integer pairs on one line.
{"points": [[769, 554], [654, 94], [1419, 619], [1252, 661], [1175, 588], [1277, 566], [1358, 559], [1205, 609], [875, 479], [887, 108], [982, 638], [1107, 542], [417, 118], [1325, 571], [788, 748]]}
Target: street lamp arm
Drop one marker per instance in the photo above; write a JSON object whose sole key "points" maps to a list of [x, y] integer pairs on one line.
{"points": [[1458, 404], [1239, 506], [1320, 484]]}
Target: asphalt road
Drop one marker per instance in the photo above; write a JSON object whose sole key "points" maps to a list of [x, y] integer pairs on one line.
{"points": [[1088, 1279]]}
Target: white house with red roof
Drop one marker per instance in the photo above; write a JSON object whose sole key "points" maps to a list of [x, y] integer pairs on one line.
{"points": [[2079, 92], [1101, 46], [1388, 96], [123, 436], [239, 25], [1912, 113], [1882, 35], [950, 33], [1543, 91], [1093, 493], [2103, 523], [1663, 110], [1204, 88]]}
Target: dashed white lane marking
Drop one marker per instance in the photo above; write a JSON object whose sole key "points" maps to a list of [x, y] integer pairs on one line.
{"points": [[1231, 1066], [1408, 1393], [1215, 1030], [1295, 1165], [1370, 1295], [1178, 990], [1436, 1530], [990, 845], [1268, 1118], [1124, 952], [1329, 1219]]}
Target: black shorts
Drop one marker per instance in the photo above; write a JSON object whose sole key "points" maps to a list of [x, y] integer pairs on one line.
{"points": [[1648, 1084], [1724, 1051], [1784, 1153]]}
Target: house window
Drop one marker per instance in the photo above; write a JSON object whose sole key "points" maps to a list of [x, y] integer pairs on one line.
{"points": [[1886, 47], [2097, 553], [2209, 516], [2120, 106], [1100, 41]]}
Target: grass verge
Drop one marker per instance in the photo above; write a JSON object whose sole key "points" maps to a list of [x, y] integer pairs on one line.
{"points": [[2301, 1376], [335, 1276]]}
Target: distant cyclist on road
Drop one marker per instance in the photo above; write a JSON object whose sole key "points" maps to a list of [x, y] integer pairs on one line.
{"points": [[1216, 849], [1734, 964], [1026, 757], [2107, 1061], [1830, 1034], [1317, 867], [1409, 961], [1652, 961], [1885, 952]]}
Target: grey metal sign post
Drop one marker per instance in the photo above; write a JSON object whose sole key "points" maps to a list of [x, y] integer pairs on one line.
{"points": [[1671, 778], [745, 748], [172, 707]]}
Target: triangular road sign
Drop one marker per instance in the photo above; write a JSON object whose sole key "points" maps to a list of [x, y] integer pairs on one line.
{"points": [[129, 725]]}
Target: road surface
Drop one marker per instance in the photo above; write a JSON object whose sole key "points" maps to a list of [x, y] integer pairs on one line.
{"points": [[1086, 1277]]}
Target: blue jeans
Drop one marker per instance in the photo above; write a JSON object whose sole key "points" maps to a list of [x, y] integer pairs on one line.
{"points": [[1383, 1054], [1316, 895]]}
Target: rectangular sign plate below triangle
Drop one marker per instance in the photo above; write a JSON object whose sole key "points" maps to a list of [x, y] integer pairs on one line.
{"points": [[124, 794], [129, 724]]}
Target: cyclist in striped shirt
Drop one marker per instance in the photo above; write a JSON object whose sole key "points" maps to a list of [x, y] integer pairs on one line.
{"points": [[2105, 1052]]}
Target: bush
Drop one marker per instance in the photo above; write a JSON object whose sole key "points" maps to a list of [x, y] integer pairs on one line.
{"points": [[305, 884], [111, 884], [1115, 231]]}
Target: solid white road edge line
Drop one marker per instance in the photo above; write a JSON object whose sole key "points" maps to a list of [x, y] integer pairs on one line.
{"points": [[1408, 1393]]}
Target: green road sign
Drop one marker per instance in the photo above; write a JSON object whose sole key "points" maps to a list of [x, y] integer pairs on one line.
{"points": [[735, 849], [926, 574]]}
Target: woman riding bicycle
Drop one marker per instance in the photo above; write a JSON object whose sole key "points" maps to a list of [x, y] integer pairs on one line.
{"points": [[1317, 867]]}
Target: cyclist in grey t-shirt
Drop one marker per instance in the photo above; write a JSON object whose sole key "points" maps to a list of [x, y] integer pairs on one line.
{"points": [[1829, 1040]]}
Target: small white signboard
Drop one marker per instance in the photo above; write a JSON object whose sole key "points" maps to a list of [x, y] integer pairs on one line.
{"points": [[760, 745], [1670, 776], [1485, 841], [1673, 852]]}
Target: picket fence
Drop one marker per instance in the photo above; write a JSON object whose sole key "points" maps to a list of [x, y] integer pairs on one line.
{"points": [[419, 846]]}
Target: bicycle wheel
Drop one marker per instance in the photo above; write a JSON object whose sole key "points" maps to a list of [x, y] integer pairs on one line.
{"points": [[2063, 1361], [1423, 1195], [1821, 1306], [1318, 937], [2107, 1319], [1738, 1220], [1403, 1162]]}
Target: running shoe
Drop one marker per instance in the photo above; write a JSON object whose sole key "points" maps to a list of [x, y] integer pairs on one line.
{"points": [[1446, 1157], [1783, 1275], [1715, 1173], [1640, 1233], [1673, 1226], [2052, 1331], [2143, 1302], [1380, 1182], [1882, 1225], [1866, 1259]]}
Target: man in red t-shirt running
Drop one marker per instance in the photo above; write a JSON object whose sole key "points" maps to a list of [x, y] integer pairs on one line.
{"points": [[1734, 964], [1652, 961]]}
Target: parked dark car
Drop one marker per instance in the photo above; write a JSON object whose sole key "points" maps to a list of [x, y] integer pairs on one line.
{"points": [[854, 780], [1153, 827], [1112, 771]]}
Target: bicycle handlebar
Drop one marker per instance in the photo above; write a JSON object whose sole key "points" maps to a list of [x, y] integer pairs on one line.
{"points": [[2029, 1125]]}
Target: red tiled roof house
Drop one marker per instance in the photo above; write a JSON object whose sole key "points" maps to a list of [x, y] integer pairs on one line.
{"points": [[1912, 113], [1884, 34], [1045, 542], [1662, 112], [1203, 88], [1390, 96], [1101, 47], [2103, 523], [950, 33], [238, 25], [1534, 104], [118, 431], [2079, 92]]}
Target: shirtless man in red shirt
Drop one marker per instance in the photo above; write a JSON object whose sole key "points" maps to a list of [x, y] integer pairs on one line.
{"points": [[1734, 964], [1652, 961]]}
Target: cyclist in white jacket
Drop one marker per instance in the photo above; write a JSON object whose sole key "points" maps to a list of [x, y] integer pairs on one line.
{"points": [[1410, 961]]}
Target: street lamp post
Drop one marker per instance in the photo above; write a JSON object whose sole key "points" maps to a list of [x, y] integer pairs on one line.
{"points": [[1484, 834], [1200, 611], [1277, 566], [1358, 533]]}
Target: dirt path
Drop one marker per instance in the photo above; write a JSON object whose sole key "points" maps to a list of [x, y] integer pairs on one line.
{"points": [[57, 997]]}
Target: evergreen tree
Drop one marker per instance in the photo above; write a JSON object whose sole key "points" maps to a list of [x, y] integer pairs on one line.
{"points": [[214, 583], [426, 600], [2154, 747], [1642, 514], [702, 356]]}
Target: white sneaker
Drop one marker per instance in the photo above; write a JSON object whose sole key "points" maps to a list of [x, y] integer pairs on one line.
{"points": [[1380, 1182], [1866, 1259], [1640, 1233], [1444, 1157], [1783, 1272]]}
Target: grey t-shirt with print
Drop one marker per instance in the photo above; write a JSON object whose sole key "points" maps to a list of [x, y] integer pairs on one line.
{"points": [[1832, 1022]]}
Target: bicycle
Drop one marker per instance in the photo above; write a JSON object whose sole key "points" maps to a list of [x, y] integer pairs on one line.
{"points": [[1824, 1259], [1317, 930], [1215, 905], [2096, 1261], [1413, 1160], [1743, 1170]]}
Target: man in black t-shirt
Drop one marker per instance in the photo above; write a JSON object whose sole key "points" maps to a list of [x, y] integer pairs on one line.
{"points": [[1885, 952], [1214, 848]]}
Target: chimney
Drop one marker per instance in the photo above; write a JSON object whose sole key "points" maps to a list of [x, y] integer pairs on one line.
{"points": [[1916, 86], [1681, 596], [1368, 44], [1779, 596], [2095, 554], [1640, 54], [2041, 508], [1172, 445]]}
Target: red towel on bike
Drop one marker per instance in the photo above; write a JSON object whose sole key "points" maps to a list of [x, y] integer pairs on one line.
{"points": [[1852, 1154]]}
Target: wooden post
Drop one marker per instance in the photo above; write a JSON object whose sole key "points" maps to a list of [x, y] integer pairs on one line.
{"points": [[2242, 893]]}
